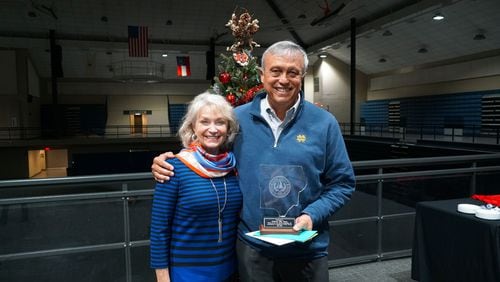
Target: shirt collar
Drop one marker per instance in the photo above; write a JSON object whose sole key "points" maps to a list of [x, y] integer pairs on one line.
{"points": [[266, 108]]}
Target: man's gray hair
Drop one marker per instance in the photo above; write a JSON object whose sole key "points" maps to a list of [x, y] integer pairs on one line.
{"points": [[282, 48]]}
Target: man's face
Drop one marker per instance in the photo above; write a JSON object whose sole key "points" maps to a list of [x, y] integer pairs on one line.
{"points": [[282, 79]]}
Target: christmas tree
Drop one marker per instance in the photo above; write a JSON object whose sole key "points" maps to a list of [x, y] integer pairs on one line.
{"points": [[237, 76]]}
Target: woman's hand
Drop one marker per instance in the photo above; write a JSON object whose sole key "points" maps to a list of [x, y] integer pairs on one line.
{"points": [[162, 275]]}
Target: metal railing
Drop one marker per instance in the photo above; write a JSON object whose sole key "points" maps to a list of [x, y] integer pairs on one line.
{"points": [[110, 131], [99, 224], [472, 133], [432, 132]]}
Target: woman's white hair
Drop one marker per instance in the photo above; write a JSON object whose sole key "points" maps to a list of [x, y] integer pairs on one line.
{"points": [[216, 103]]}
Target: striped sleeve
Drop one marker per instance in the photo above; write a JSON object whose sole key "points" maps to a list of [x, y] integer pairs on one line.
{"points": [[162, 213]]}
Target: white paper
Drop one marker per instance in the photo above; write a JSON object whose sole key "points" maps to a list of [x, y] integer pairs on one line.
{"points": [[275, 241]]}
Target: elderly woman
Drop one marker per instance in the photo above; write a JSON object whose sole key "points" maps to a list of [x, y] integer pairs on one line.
{"points": [[195, 215]]}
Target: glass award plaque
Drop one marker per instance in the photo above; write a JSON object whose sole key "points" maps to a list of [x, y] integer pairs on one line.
{"points": [[280, 188]]}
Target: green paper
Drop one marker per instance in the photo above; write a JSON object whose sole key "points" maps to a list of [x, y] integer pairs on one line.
{"points": [[303, 236]]}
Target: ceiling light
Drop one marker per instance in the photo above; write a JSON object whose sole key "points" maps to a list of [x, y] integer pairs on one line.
{"points": [[438, 17], [423, 50], [387, 33], [164, 55], [322, 55]]}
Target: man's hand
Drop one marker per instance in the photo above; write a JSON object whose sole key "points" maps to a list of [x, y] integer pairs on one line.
{"points": [[303, 222], [161, 170]]}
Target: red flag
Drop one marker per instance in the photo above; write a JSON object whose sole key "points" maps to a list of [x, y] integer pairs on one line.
{"points": [[137, 41], [183, 68]]}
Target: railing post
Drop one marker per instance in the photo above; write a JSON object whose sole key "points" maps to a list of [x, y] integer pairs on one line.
{"points": [[379, 214], [473, 180], [126, 235], [473, 133]]}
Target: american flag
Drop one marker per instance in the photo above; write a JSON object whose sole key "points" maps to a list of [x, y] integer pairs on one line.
{"points": [[137, 41], [183, 68]]}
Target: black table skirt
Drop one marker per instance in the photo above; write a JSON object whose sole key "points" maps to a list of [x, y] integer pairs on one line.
{"points": [[453, 246]]}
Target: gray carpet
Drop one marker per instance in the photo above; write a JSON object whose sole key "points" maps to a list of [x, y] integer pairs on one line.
{"points": [[397, 270]]}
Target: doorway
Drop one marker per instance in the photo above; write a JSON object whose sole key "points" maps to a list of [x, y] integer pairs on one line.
{"points": [[47, 163], [137, 124]]}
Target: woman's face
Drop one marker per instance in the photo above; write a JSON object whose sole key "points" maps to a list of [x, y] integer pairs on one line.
{"points": [[210, 129]]}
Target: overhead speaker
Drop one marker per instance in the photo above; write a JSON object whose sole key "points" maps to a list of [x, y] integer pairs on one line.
{"points": [[210, 58]]}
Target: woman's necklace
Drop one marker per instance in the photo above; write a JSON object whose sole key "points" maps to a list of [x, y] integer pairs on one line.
{"points": [[220, 211]]}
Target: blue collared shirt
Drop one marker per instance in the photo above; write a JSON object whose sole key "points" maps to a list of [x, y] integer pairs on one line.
{"points": [[277, 125]]}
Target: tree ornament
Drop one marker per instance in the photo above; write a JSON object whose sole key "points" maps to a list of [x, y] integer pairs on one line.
{"points": [[224, 77], [243, 28], [238, 76], [231, 98], [241, 58]]}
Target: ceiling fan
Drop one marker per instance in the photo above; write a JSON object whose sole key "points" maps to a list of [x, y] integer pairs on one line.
{"points": [[328, 13]]}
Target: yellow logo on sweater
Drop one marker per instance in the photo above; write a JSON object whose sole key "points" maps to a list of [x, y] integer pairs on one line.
{"points": [[301, 138]]}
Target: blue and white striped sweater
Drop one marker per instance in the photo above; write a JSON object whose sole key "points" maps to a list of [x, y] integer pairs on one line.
{"points": [[184, 226]]}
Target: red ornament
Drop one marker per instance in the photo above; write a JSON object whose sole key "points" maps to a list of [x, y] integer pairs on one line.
{"points": [[251, 92], [224, 77], [231, 98]]}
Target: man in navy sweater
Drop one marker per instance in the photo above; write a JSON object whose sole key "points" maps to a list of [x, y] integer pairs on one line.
{"points": [[296, 147]]}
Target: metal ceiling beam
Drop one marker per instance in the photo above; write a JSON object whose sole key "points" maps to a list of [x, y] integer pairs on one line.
{"points": [[99, 38], [393, 13], [283, 20]]}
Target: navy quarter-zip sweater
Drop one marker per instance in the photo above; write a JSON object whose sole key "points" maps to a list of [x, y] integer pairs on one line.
{"points": [[310, 152]]}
